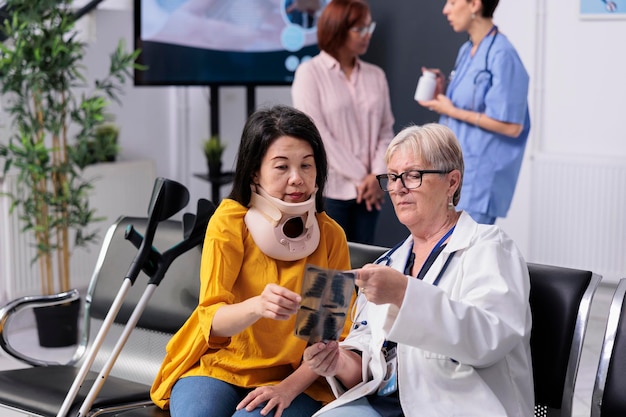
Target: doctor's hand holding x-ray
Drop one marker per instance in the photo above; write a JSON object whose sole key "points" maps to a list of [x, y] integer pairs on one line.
{"points": [[486, 105]]}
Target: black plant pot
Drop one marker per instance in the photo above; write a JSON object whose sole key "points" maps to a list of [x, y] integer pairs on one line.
{"points": [[57, 326], [215, 169]]}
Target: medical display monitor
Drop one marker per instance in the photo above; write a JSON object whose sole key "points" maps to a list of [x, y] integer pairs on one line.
{"points": [[224, 42]]}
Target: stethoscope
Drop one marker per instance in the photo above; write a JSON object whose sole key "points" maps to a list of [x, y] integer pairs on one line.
{"points": [[486, 71], [354, 314], [386, 258], [611, 6]]}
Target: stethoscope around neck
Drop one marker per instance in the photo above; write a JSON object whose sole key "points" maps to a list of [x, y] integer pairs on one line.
{"points": [[387, 260], [486, 70]]}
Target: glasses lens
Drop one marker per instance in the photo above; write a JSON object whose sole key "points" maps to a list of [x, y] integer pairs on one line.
{"points": [[371, 28], [412, 179], [365, 30], [383, 180], [408, 179]]}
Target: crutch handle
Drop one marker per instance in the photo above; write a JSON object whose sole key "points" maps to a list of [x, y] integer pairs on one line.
{"points": [[151, 264]]}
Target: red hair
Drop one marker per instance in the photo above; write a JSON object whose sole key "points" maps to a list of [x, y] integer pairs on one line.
{"points": [[335, 23]]}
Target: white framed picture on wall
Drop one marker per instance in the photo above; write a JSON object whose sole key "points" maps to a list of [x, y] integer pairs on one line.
{"points": [[603, 9]]}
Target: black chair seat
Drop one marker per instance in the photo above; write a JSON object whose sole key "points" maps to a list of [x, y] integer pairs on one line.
{"points": [[42, 390], [614, 399], [559, 300]]}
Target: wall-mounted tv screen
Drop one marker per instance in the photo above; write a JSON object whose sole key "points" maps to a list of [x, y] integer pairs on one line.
{"points": [[224, 42]]}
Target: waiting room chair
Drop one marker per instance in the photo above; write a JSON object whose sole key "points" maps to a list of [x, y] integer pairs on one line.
{"points": [[361, 254], [560, 300], [41, 389], [609, 391]]}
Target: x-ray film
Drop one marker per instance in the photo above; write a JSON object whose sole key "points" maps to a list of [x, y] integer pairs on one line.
{"points": [[326, 296]]}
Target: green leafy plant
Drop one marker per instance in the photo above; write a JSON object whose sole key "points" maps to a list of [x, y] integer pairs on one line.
{"points": [[53, 112], [103, 147], [213, 148]]}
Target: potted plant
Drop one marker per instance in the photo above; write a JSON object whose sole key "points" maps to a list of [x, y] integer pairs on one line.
{"points": [[213, 150], [53, 111], [103, 147]]}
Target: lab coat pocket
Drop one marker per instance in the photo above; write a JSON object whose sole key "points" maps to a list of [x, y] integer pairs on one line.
{"points": [[449, 375], [445, 365]]}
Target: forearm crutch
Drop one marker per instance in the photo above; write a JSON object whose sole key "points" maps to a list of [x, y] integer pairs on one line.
{"points": [[168, 198], [195, 236]]}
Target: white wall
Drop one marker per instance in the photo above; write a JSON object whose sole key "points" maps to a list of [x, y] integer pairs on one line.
{"points": [[577, 105], [585, 84]]}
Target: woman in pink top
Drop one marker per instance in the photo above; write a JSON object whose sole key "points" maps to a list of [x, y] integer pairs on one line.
{"points": [[348, 99]]}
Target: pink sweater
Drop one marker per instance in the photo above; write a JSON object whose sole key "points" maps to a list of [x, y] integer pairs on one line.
{"points": [[353, 116]]}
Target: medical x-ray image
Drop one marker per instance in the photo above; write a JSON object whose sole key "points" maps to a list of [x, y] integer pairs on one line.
{"points": [[326, 296]]}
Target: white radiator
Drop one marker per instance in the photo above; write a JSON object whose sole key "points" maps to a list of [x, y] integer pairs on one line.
{"points": [[120, 188], [20, 276], [579, 214]]}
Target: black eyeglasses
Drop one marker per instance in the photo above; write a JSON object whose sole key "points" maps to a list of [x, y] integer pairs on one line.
{"points": [[410, 179]]}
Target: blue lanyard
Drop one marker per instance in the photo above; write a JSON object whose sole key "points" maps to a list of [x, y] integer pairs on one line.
{"points": [[387, 260], [438, 245], [435, 252], [443, 268]]}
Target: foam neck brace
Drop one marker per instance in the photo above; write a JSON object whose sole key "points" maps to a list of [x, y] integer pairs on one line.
{"points": [[283, 231]]}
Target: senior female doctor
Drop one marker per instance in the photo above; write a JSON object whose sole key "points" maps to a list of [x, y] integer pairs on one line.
{"points": [[486, 106], [442, 323]]}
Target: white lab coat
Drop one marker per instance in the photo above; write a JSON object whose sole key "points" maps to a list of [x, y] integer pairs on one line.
{"points": [[463, 345]]}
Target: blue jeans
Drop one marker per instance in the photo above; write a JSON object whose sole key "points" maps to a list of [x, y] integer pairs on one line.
{"points": [[358, 223], [202, 396], [356, 408]]}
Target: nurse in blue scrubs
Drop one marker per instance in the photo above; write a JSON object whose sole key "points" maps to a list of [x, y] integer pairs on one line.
{"points": [[486, 105]]}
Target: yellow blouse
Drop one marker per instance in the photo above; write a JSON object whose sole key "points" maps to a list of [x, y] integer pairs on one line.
{"points": [[234, 269]]}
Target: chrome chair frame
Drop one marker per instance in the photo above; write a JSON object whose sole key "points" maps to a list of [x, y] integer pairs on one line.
{"points": [[608, 397]]}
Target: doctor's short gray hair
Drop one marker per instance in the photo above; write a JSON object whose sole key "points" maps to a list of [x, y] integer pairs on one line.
{"points": [[435, 145]]}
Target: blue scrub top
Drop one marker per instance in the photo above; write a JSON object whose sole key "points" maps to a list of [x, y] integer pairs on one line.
{"points": [[494, 82]]}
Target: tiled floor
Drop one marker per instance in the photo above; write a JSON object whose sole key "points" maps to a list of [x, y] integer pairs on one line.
{"points": [[586, 373]]}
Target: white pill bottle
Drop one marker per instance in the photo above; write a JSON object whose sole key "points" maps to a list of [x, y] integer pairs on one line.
{"points": [[426, 86]]}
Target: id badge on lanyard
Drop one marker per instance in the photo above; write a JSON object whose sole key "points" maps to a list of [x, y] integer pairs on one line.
{"points": [[389, 385]]}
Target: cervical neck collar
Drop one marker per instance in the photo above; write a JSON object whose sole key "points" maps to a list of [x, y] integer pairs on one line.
{"points": [[283, 231]]}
